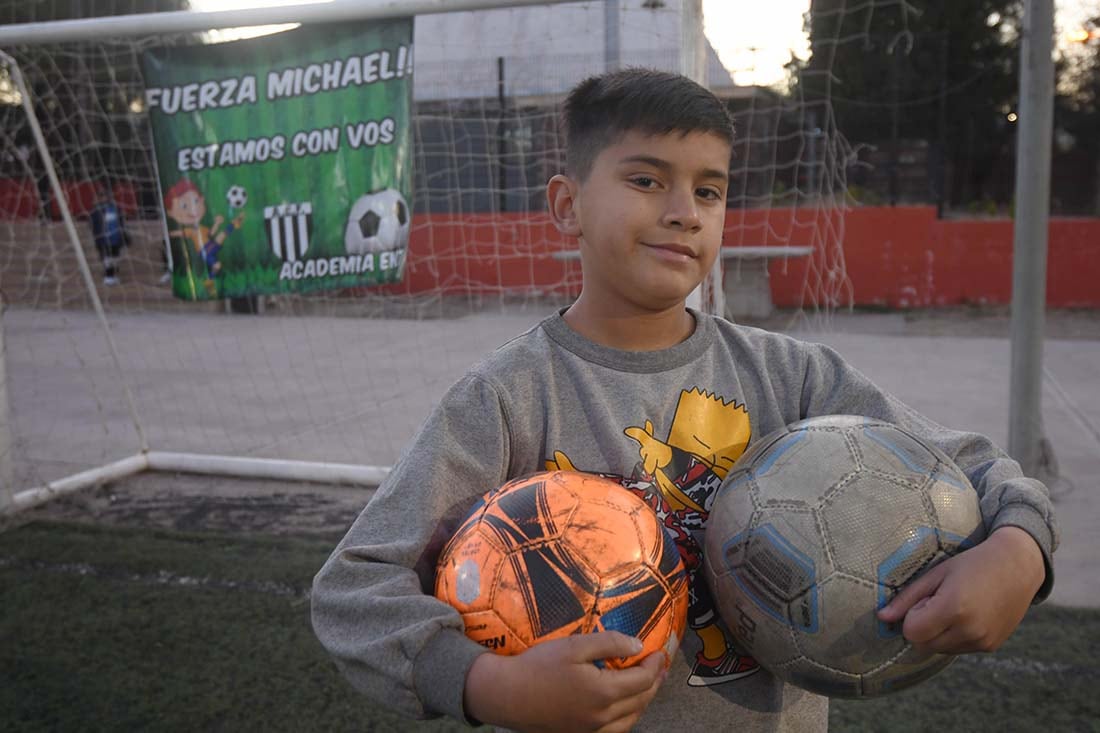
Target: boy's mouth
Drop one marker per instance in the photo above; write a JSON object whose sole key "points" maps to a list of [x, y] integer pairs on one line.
{"points": [[671, 248]]}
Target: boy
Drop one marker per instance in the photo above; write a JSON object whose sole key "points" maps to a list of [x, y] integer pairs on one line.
{"points": [[109, 233], [628, 382]]}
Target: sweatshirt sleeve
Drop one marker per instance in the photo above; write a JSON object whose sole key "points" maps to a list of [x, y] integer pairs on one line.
{"points": [[373, 607], [1008, 498]]}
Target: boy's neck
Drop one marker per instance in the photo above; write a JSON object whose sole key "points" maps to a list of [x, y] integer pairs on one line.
{"points": [[629, 329]]}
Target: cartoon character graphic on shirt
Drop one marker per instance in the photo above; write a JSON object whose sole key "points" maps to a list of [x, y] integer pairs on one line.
{"points": [[678, 476], [185, 205]]}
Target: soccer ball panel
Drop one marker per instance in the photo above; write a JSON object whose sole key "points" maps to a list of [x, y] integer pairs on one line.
{"points": [[466, 578], [826, 450], [908, 669], [850, 637], [608, 536], [764, 634], [532, 515], [832, 422], [913, 553], [862, 522], [490, 630], [545, 591], [819, 678], [888, 449], [958, 515], [784, 553]]}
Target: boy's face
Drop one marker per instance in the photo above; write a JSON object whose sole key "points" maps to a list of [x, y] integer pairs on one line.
{"points": [[649, 217], [188, 208]]}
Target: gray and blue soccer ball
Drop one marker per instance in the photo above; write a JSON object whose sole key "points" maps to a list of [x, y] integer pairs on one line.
{"points": [[237, 197], [819, 525]]}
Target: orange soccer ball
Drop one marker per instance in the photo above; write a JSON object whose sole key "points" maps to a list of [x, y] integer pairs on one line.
{"points": [[563, 553]]}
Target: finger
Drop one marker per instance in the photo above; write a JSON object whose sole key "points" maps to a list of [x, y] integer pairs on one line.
{"points": [[624, 713], [926, 620], [649, 428], [919, 589], [962, 638], [952, 641], [602, 645]]}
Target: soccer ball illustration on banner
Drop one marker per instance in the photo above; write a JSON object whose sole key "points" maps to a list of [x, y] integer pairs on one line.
{"points": [[818, 526], [377, 222], [236, 197], [563, 553]]}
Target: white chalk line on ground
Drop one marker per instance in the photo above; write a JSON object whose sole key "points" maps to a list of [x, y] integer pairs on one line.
{"points": [[161, 578]]}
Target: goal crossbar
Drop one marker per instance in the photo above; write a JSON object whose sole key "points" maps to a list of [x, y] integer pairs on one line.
{"points": [[190, 21]]}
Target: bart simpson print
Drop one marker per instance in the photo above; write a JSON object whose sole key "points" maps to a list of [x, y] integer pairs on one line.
{"points": [[677, 476]]}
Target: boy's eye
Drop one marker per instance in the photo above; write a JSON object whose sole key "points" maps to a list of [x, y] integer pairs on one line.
{"points": [[709, 194], [643, 181]]}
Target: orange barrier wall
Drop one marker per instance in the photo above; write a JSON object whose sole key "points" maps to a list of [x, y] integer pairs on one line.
{"points": [[898, 257], [18, 198], [905, 257]]}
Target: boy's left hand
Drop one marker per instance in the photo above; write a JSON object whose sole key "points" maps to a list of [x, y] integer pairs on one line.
{"points": [[973, 601]]}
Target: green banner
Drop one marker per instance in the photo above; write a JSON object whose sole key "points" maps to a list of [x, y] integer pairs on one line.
{"points": [[284, 161]]}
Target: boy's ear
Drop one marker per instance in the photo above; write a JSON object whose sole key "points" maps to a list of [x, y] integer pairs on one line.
{"points": [[561, 197]]}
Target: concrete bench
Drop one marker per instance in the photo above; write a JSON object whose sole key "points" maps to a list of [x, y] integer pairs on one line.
{"points": [[744, 285]]}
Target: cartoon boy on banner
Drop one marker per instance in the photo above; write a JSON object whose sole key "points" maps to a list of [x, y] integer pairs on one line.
{"points": [[185, 205]]}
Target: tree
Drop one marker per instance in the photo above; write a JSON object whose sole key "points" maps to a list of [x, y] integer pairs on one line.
{"points": [[1077, 127], [942, 72]]}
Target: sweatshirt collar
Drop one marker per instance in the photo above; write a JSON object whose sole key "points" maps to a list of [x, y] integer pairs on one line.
{"points": [[643, 362]]}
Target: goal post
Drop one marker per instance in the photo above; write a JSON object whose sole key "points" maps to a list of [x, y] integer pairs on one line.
{"points": [[107, 380]]}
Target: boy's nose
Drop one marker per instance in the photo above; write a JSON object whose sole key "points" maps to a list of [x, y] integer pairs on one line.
{"points": [[682, 211]]}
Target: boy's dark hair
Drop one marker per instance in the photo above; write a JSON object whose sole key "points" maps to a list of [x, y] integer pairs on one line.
{"points": [[600, 109]]}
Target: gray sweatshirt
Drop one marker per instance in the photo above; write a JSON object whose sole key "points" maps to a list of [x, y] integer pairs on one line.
{"points": [[552, 399]]}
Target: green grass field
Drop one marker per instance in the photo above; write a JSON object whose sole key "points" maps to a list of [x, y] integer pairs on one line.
{"points": [[139, 629]]}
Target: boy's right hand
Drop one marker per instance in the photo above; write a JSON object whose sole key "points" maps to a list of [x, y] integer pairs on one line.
{"points": [[554, 686]]}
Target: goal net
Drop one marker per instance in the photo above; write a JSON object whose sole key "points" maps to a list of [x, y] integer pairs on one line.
{"points": [[99, 371]]}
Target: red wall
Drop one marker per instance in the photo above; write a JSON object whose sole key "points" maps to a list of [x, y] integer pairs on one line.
{"points": [[905, 257], [18, 198], [901, 257]]}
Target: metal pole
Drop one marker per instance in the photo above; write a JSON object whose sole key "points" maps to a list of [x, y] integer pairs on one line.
{"points": [[203, 464], [1029, 270], [612, 51], [188, 21], [74, 239], [502, 169], [7, 445], [708, 296], [693, 46]]}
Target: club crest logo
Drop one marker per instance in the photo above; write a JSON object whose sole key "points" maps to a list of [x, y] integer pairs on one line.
{"points": [[288, 228]]}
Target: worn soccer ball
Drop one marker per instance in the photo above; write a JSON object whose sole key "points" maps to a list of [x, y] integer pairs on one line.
{"points": [[563, 553], [819, 525], [377, 222], [237, 197]]}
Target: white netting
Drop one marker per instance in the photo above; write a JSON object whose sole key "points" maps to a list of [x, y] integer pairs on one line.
{"points": [[346, 376]]}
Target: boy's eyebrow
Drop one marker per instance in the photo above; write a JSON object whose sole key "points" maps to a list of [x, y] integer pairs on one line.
{"points": [[664, 165]]}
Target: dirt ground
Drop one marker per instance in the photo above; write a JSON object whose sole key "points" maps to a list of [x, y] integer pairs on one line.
{"points": [[189, 503], [192, 503]]}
